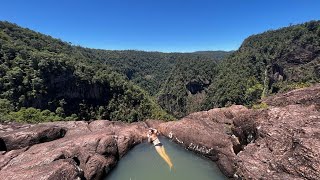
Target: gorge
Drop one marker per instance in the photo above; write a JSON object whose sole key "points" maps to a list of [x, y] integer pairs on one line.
{"points": [[71, 112]]}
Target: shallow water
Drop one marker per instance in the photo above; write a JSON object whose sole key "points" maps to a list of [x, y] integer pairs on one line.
{"points": [[143, 163]]}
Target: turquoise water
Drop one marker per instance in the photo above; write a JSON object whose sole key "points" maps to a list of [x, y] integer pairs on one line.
{"points": [[143, 163]]}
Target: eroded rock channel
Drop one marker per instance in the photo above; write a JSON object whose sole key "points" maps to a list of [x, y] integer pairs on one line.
{"points": [[279, 142]]}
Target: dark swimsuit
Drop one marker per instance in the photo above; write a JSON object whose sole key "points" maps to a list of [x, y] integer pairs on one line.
{"points": [[159, 144]]}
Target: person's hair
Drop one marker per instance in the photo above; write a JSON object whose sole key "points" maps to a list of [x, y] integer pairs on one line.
{"points": [[154, 131]]}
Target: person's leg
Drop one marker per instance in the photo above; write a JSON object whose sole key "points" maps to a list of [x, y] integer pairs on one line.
{"points": [[160, 151], [166, 156]]}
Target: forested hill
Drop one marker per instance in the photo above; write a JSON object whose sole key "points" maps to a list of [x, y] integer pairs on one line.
{"points": [[176, 80], [42, 78], [60, 81], [149, 70], [267, 63]]}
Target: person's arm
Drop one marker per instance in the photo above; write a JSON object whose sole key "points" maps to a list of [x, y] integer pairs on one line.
{"points": [[149, 138], [157, 132]]}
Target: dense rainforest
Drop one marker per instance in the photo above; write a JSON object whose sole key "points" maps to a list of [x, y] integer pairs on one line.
{"points": [[173, 79], [271, 62], [42, 78], [46, 79]]}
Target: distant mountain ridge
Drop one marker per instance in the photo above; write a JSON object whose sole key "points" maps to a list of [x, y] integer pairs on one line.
{"points": [[65, 81]]}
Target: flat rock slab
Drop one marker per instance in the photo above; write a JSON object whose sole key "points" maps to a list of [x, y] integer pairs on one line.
{"points": [[82, 150]]}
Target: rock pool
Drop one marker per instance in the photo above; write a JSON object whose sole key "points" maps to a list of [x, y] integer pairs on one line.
{"points": [[143, 163]]}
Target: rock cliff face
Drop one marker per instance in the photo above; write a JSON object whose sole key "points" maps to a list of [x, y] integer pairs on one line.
{"points": [[279, 142]]}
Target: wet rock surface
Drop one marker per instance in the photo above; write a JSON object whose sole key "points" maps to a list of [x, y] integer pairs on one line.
{"points": [[280, 142]]}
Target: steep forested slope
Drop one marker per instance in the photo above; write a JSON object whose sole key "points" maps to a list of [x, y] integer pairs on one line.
{"points": [[150, 70], [184, 90], [176, 80], [62, 80], [267, 63]]}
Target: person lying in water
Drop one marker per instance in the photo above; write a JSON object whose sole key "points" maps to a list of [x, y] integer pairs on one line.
{"points": [[153, 138]]}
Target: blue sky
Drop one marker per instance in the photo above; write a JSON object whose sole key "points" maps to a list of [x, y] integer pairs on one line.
{"points": [[157, 25]]}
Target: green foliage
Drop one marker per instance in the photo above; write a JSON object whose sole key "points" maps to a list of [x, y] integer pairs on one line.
{"points": [[253, 91], [267, 63], [46, 75], [151, 70], [261, 105], [60, 81], [291, 86], [165, 76], [32, 115], [5, 108], [183, 91]]}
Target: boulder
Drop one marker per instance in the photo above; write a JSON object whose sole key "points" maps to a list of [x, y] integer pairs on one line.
{"points": [[23, 137]]}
